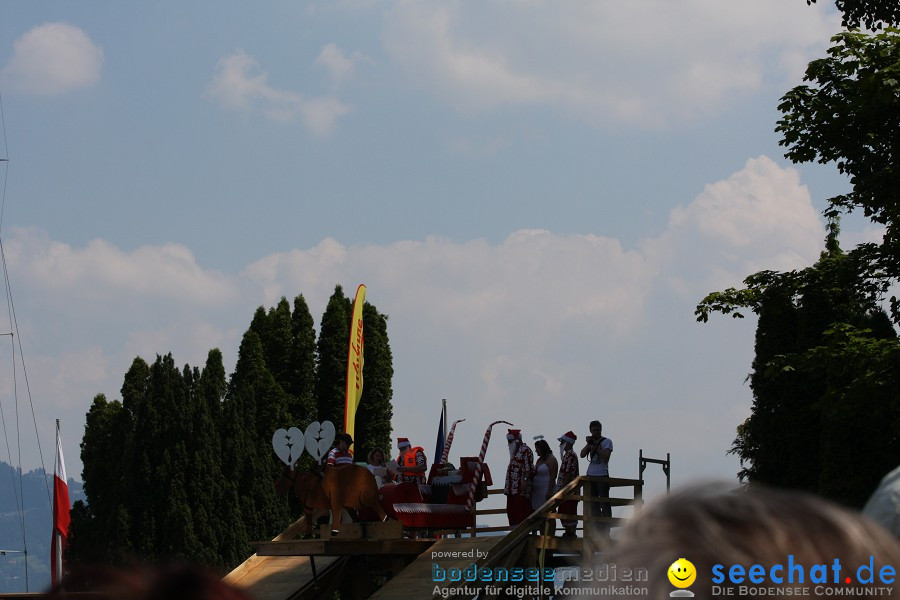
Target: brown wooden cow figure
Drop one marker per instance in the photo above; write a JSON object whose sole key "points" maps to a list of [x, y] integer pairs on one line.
{"points": [[345, 486]]}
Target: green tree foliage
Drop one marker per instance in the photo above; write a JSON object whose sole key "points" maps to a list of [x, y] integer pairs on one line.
{"points": [[204, 481], [105, 430], [153, 466], [825, 379], [813, 414], [303, 407], [289, 350], [871, 14], [373, 416], [849, 114], [255, 407], [183, 468], [99, 539], [331, 358], [861, 375], [274, 331]]}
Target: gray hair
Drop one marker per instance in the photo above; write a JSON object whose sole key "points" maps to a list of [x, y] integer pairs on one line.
{"points": [[714, 524]]}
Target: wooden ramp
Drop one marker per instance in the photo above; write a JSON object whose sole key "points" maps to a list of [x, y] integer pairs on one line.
{"points": [[284, 577], [417, 579]]}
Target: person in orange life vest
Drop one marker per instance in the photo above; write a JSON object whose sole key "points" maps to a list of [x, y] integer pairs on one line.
{"points": [[412, 463], [519, 478], [341, 454]]}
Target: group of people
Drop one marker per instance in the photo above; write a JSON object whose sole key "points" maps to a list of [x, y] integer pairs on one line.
{"points": [[410, 466], [530, 483]]}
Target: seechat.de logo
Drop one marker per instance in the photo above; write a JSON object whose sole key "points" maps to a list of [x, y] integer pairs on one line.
{"points": [[682, 574]]}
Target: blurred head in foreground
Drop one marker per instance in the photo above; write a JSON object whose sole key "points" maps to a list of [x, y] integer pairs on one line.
{"points": [[181, 582], [715, 527]]}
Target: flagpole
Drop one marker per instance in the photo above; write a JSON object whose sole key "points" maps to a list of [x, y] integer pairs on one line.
{"points": [[57, 548], [56, 561], [61, 513]]}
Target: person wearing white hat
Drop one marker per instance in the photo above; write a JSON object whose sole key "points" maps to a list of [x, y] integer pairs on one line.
{"points": [[519, 477], [568, 470]]}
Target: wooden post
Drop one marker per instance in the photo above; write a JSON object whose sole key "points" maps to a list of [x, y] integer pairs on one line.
{"points": [[586, 525]]}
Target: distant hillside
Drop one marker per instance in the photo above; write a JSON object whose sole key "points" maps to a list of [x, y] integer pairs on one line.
{"points": [[33, 488]]}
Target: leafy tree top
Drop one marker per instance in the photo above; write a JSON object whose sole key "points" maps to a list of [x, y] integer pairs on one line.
{"points": [[849, 114], [871, 14], [834, 280]]}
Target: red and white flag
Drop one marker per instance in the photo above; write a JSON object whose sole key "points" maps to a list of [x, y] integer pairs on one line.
{"points": [[61, 516]]}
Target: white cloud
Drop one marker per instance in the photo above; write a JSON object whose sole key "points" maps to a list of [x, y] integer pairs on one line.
{"points": [[761, 217], [339, 65], [102, 272], [646, 62], [240, 83], [54, 58], [188, 340], [467, 284], [547, 331], [59, 373]]}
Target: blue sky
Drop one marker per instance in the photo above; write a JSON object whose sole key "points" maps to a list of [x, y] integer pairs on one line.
{"points": [[536, 193]]}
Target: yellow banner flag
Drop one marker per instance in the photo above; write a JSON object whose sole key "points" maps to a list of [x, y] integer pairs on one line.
{"points": [[355, 362]]}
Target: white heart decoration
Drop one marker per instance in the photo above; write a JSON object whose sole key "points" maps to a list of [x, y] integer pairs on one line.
{"points": [[319, 438], [288, 445], [297, 443], [280, 442]]}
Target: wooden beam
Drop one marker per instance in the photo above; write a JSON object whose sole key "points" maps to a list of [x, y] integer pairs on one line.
{"points": [[343, 547]]}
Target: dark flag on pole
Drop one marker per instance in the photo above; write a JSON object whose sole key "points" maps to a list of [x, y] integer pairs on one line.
{"points": [[439, 446]]}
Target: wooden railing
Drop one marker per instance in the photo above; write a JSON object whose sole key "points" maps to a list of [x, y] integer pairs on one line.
{"points": [[515, 549], [578, 490]]}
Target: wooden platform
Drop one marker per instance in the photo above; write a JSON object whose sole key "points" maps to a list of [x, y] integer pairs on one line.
{"points": [[299, 569], [360, 557]]}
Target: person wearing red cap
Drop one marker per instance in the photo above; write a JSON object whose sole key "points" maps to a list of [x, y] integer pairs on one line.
{"points": [[568, 470], [412, 462], [519, 477]]}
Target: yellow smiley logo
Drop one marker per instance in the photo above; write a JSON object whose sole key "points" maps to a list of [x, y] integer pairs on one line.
{"points": [[682, 573]]}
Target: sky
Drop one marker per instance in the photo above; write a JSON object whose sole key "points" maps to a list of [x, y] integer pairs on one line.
{"points": [[536, 193]]}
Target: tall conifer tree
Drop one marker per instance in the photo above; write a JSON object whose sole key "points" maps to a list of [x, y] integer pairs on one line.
{"points": [[255, 407], [303, 407], [373, 417], [182, 468], [331, 359]]}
